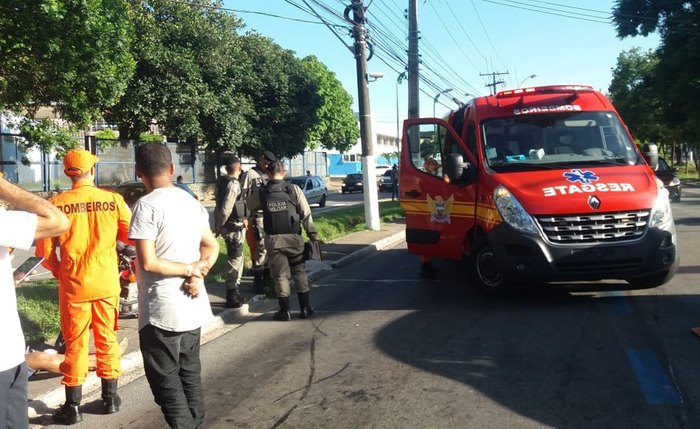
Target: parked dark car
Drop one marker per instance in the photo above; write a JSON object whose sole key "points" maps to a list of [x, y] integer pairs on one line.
{"points": [[314, 189], [667, 174], [131, 191], [352, 183], [385, 181]]}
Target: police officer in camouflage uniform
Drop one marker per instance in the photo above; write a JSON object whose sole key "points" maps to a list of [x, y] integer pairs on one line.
{"points": [[285, 210], [256, 178], [230, 222]]}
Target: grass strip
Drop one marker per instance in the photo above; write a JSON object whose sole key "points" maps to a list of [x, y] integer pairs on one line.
{"points": [[330, 226], [37, 303]]}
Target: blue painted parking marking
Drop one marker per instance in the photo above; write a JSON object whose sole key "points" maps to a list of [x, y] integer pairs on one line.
{"points": [[618, 303], [653, 378]]}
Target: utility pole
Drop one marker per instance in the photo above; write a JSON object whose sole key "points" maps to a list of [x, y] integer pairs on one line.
{"points": [[413, 60], [494, 83], [369, 178]]}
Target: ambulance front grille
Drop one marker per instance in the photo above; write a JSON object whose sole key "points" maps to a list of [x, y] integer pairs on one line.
{"points": [[598, 228]]}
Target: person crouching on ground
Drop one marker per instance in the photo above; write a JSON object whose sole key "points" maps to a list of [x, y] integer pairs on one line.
{"points": [[88, 282], [285, 209], [175, 250]]}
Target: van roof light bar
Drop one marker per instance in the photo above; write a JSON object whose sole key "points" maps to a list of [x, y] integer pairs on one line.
{"points": [[552, 89]]}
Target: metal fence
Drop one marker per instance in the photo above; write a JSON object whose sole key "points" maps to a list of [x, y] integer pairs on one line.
{"points": [[37, 171], [41, 172], [314, 162]]}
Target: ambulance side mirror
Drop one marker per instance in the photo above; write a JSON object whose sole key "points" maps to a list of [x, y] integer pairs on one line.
{"points": [[651, 155], [455, 168]]}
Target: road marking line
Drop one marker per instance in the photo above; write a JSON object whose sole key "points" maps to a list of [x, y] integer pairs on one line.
{"points": [[653, 379]]}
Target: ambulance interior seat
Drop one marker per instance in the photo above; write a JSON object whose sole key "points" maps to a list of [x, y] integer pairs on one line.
{"points": [[513, 146], [496, 148], [565, 143]]}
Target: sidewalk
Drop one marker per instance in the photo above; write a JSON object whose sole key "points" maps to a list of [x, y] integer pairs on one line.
{"points": [[46, 391]]}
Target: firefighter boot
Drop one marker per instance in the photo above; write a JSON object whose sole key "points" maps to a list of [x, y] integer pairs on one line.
{"points": [[258, 282], [69, 413], [110, 400], [306, 309], [233, 298], [283, 313]]}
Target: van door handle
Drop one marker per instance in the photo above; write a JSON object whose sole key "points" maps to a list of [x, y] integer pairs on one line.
{"points": [[412, 193]]}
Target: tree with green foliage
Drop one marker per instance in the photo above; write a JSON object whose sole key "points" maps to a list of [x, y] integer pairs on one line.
{"points": [[71, 55], [336, 126], [284, 96], [636, 96], [678, 68], [186, 78]]}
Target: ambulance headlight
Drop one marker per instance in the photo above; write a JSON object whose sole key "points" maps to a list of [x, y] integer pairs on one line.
{"points": [[513, 212], [661, 212]]}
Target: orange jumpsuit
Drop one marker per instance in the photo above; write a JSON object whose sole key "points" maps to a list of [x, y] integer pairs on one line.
{"points": [[88, 278]]}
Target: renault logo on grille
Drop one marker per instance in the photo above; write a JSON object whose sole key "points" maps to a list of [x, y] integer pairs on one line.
{"points": [[594, 202]]}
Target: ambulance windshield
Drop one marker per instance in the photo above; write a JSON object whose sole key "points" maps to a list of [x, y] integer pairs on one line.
{"points": [[546, 140]]}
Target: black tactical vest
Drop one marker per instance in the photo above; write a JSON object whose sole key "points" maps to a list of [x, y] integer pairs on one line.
{"points": [[279, 208], [239, 209], [221, 185]]}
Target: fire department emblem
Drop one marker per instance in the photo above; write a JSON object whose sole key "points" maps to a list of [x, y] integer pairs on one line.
{"points": [[440, 209]]}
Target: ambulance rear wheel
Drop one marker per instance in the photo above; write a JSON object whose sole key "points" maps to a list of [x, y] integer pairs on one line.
{"points": [[489, 277]]}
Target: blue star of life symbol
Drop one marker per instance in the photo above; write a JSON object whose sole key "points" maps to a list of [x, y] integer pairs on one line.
{"points": [[580, 176]]}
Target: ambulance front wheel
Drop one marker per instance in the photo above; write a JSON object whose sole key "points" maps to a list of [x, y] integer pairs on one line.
{"points": [[490, 279]]}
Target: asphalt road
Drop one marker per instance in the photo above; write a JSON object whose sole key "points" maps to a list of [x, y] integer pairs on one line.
{"points": [[388, 350]]}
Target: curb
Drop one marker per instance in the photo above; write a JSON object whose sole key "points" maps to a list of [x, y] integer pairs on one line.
{"points": [[133, 361]]}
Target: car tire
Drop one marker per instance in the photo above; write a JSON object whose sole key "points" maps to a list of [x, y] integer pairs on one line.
{"points": [[342, 191], [322, 202], [489, 277]]}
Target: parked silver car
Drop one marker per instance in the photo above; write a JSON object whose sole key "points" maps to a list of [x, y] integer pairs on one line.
{"points": [[314, 188]]}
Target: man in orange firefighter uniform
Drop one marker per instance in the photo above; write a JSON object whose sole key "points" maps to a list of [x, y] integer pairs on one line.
{"points": [[87, 274]]}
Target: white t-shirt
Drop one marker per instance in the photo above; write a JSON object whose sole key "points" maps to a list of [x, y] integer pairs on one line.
{"points": [[17, 230], [174, 221]]}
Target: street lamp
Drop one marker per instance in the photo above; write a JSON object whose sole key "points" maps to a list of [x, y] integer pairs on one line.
{"points": [[532, 76], [399, 79], [435, 100]]}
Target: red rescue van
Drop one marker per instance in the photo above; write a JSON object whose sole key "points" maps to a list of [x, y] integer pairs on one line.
{"points": [[537, 184]]}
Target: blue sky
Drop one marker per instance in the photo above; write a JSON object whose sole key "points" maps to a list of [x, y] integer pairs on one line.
{"points": [[491, 36]]}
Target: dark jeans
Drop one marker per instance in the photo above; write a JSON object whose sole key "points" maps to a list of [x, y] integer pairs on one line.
{"points": [[394, 191], [173, 370], [13, 398]]}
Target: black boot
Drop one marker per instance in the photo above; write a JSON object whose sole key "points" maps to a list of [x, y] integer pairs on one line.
{"points": [[283, 313], [258, 282], [69, 413], [427, 271], [110, 400], [306, 309], [234, 298]]}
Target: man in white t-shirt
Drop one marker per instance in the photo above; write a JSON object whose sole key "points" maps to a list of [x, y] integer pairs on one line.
{"points": [[175, 249], [32, 217]]}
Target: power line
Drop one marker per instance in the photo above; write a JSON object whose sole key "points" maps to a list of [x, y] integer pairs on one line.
{"points": [[483, 27], [449, 33], [459, 23], [607, 18]]}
